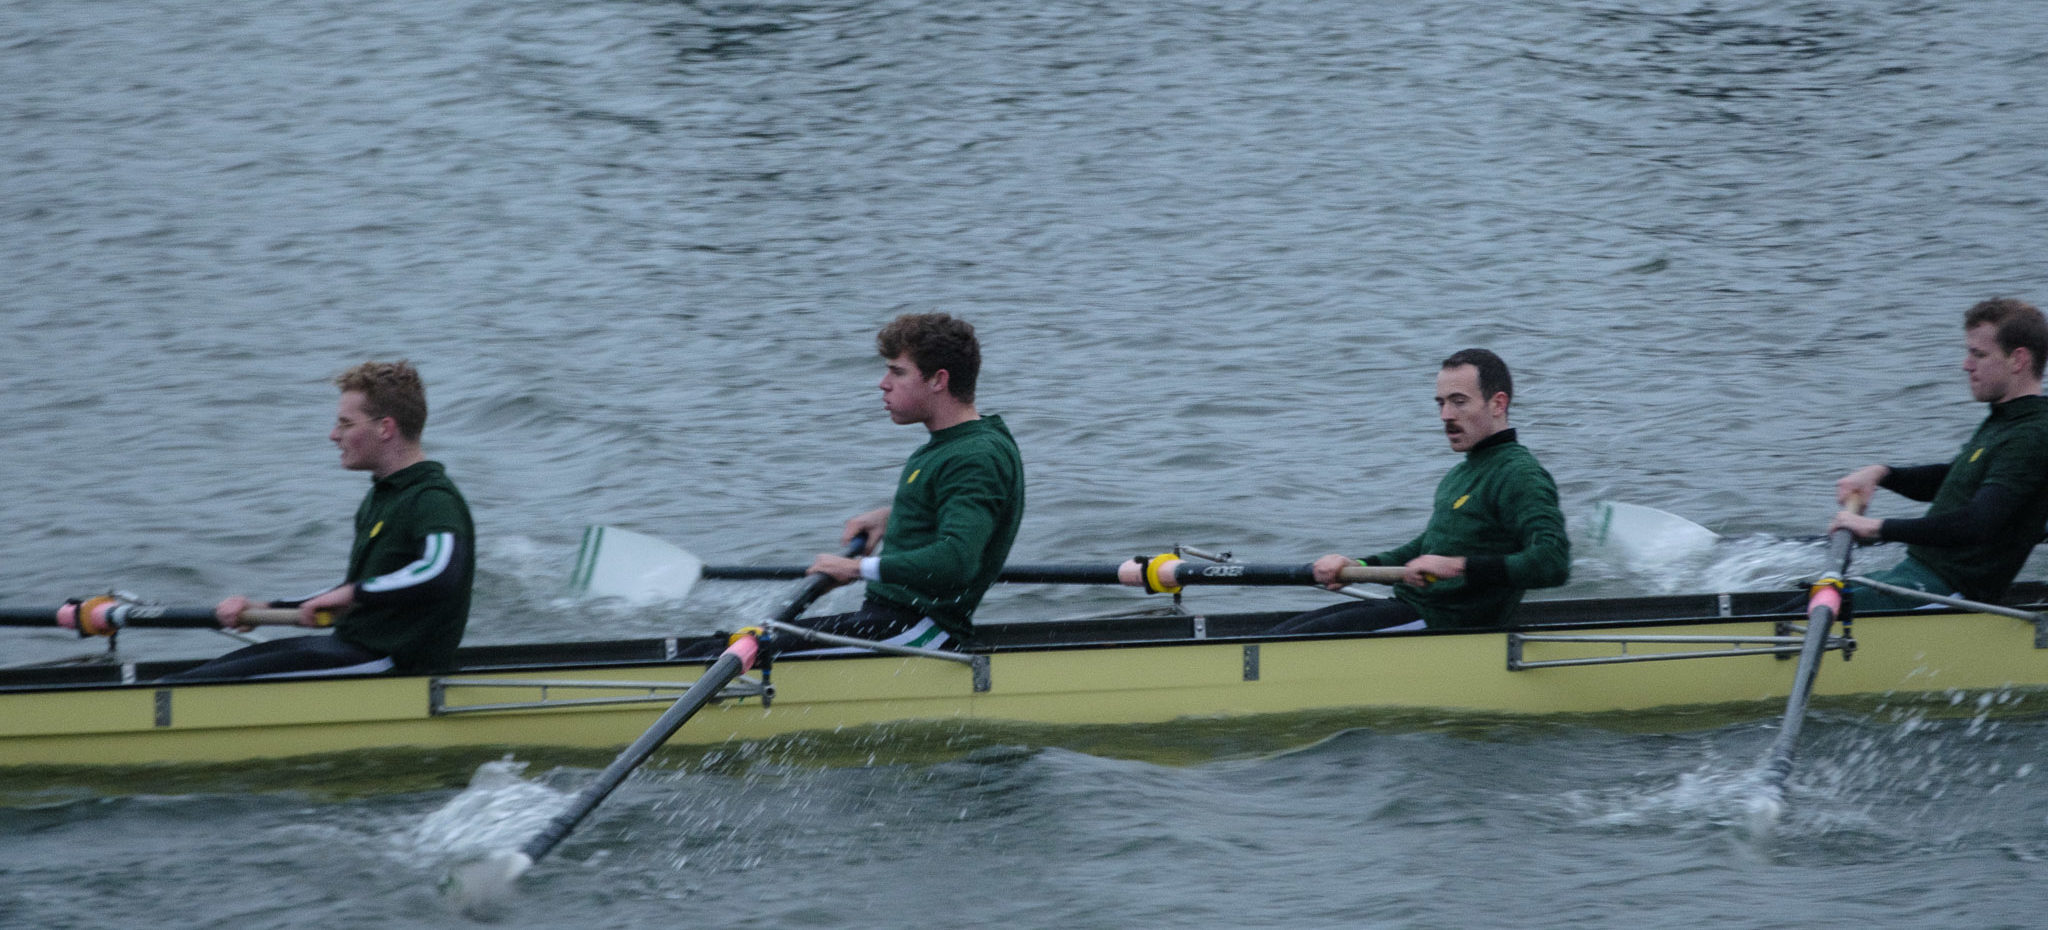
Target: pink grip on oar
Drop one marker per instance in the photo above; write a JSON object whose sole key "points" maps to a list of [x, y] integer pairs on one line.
{"points": [[89, 617], [747, 648], [1827, 595]]}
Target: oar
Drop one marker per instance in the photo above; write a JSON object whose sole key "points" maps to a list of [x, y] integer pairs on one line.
{"points": [[102, 616], [1123, 573], [1822, 606], [621, 563], [480, 886]]}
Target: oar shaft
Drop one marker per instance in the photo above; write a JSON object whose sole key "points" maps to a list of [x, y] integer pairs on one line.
{"points": [[1823, 606], [1184, 573], [28, 616], [129, 615], [122, 615], [729, 666], [732, 663]]}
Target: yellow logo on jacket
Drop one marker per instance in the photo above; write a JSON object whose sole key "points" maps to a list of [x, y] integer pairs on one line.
{"points": [[1461, 502], [1975, 455], [379, 528], [913, 477]]}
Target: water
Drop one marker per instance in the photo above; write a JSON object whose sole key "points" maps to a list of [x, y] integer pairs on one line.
{"points": [[1214, 250]]}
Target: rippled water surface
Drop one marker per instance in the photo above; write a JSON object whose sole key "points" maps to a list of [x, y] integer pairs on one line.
{"points": [[1214, 250]]}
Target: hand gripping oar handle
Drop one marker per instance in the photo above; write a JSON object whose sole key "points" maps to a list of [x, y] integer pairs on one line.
{"points": [[738, 657], [1823, 605]]}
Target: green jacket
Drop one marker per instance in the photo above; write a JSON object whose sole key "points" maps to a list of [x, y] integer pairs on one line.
{"points": [[2010, 449], [1498, 508], [417, 626], [958, 502]]}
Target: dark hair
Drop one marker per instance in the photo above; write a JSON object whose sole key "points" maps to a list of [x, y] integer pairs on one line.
{"points": [[1493, 373], [935, 342], [390, 389], [2020, 326]]}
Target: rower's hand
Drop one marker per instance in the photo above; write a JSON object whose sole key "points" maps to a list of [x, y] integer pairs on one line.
{"points": [[839, 568], [872, 523], [1861, 483], [333, 602], [229, 613], [1326, 568], [1426, 569], [1858, 525]]}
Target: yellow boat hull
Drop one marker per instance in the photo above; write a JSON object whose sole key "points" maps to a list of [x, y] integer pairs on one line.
{"points": [[1955, 656]]}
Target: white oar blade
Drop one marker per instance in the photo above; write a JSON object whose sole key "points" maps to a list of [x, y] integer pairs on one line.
{"points": [[1645, 537], [635, 566], [485, 889]]}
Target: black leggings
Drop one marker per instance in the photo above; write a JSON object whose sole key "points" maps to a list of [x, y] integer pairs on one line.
{"points": [[297, 654], [1355, 617]]}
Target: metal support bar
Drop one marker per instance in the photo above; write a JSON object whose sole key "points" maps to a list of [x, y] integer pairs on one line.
{"points": [[657, 692], [836, 640], [1740, 646], [2040, 621]]}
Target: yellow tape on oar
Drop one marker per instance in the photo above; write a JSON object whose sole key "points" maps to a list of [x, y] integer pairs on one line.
{"points": [[744, 632], [1153, 582], [92, 616]]}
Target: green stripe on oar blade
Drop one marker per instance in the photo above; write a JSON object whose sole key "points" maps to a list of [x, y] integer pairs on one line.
{"points": [[586, 555], [621, 563], [1645, 537]]}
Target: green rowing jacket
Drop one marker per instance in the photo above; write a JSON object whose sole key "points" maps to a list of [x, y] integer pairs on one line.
{"points": [[958, 502], [2009, 449], [392, 526], [1498, 508]]}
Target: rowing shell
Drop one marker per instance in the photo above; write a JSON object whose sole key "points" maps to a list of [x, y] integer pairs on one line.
{"points": [[1571, 656]]}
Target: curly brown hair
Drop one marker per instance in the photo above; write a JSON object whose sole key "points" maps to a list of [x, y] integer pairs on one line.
{"points": [[935, 342]]}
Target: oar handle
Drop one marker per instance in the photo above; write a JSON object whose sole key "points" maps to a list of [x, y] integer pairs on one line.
{"points": [[1841, 541], [1372, 574], [282, 616]]}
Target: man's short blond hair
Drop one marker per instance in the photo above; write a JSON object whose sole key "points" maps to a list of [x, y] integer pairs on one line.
{"points": [[390, 389]]}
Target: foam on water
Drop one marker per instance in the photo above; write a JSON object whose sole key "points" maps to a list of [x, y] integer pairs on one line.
{"points": [[499, 810]]}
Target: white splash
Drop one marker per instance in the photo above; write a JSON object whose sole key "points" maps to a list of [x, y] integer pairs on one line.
{"points": [[498, 811]]}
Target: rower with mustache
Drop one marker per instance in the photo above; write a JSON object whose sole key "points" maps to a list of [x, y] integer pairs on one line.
{"points": [[1496, 530]]}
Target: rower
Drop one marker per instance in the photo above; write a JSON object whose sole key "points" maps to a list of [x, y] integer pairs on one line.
{"points": [[1496, 530], [405, 600], [1988, 504], [959, 500]]}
